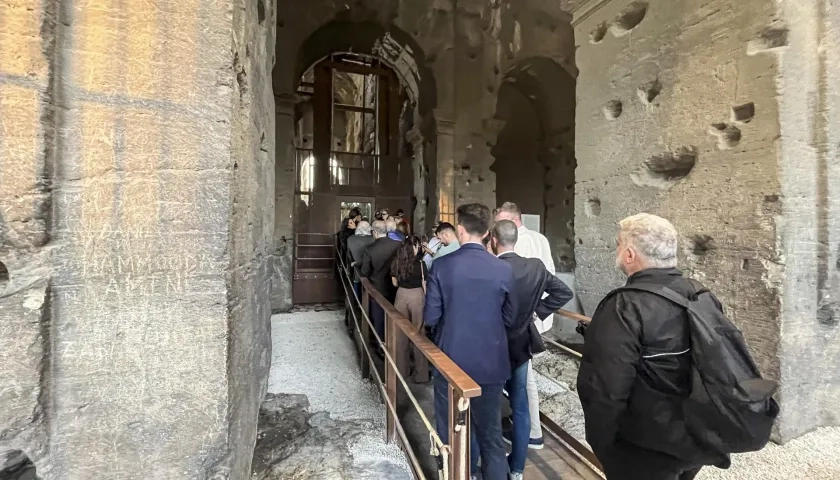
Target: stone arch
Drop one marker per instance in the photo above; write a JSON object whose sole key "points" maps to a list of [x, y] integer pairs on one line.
{"points": [[393, 46], [534, 157], [361, 34]]}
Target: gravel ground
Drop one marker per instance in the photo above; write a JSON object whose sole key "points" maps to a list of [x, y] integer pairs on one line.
{"points": [[312, 355], [815, 456]]}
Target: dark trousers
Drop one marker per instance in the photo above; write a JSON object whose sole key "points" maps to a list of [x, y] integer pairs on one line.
{"points": [[485, 429], [623, 461], [377, 317]]}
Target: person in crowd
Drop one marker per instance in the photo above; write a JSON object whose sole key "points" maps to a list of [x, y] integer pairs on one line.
{"points": [[348, 226], [376, 266], [377, 215], [401, 220], [393, 233], [469, 301], [402, 229], [355, 249], [636, 367], [408, 273], [531, 280], [531, 244], [448, 239], [385, 214], [430, 248]]}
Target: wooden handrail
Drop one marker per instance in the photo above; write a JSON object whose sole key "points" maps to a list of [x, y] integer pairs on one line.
{"points": [[574, 316], [460, 381]]}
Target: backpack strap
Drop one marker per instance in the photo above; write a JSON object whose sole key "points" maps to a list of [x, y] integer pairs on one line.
{"points": [[659, 290]]}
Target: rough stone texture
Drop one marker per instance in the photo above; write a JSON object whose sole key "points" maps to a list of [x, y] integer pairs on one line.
{"points": [[746, 179], [337, 431], [808, 271], [659, 157], [136, 146]]}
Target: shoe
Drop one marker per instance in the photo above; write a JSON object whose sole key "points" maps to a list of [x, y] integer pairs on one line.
{"points": [[514, 476], [536, 443], [507, 436]]}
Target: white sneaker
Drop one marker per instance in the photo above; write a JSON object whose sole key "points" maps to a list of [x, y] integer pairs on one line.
{"points": [[514, 476]]}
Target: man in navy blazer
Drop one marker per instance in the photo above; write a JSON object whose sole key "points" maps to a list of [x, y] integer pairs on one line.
{"points": [[469, 302]]}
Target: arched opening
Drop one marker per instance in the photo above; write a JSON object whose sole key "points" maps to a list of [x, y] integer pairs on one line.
{"points": [[534, 152], [347, 155], [354, 127], [16, 465]]}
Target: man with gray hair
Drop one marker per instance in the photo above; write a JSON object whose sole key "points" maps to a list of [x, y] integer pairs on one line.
{"points": [[538, 295], [531, 244], [635, 373], [356, 245], [376, 266]]}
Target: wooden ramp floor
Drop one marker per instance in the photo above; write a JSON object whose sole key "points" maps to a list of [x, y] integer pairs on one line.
{"points": [[557, 461]]}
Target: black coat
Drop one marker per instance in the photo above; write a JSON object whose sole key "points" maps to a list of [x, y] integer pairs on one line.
{"points": [[636, 372], [376, 265], [530, 281], [355, 251]]}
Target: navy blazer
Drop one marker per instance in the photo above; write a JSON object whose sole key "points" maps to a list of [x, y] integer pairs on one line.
{"points": [[469, 298]]}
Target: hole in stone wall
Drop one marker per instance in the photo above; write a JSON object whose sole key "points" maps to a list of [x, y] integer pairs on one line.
{"points": [[598, 33], [745, 264], [828, 314], [612, 109], [15, 465], [629, 18], [701, 244], [768, 40], [592, 207], [4, 276], [743, 113], [728, 135], [666, 169], [261, 11], [649, 91]]}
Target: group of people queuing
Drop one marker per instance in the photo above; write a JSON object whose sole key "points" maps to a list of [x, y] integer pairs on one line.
{"points": [[486, 290]]}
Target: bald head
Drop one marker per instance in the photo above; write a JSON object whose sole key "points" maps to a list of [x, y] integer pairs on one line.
{"points": [[504, 236]]}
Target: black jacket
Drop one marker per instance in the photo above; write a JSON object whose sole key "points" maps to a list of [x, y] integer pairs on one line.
{"points": [[376, 265], [635, 371], [530, 280], [355, 251]]}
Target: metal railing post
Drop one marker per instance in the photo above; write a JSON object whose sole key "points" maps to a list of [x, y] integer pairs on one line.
{"points": [[390, 377], [365, 334], [459, 435]]}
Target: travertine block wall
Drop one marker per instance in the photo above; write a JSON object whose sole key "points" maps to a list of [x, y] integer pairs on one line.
{"points": [[713, 114], [136, 164]]}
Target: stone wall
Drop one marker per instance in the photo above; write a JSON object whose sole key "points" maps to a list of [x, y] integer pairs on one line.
{"points": [[674, 148], [685, 110], [806, 38], [137, 146]]}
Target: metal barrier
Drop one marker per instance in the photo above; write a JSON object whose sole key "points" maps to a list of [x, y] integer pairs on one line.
{"points": [[453, 460]]}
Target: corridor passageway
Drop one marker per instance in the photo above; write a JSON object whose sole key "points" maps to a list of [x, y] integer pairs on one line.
{"points": [[172, 174]]}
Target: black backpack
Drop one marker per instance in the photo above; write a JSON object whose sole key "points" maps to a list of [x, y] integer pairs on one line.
{"points": [[730, 408]]}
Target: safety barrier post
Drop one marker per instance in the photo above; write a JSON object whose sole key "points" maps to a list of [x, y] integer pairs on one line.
{"points": [[365, 334], [391, 377], [459, 435]]}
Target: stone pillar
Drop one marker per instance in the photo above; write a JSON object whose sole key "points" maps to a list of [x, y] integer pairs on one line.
{"points": [[284, 203], [446, 170], [806, 272], [135, 148]]}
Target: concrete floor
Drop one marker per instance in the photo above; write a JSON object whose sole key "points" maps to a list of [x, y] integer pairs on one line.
{"points": [[312, 355]]}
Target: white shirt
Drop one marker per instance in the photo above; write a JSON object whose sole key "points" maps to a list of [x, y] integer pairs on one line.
{"points": [[531, 244]]}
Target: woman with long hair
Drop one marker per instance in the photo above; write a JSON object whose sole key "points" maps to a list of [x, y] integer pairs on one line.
{"points": [[408, 272]]}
